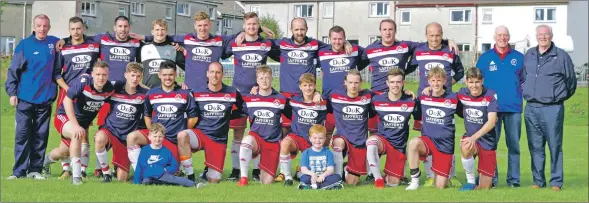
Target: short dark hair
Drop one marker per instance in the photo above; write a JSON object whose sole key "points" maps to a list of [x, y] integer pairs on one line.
{"points": [[337, 29], [388, 20], [167, 65], [396, 72], [76, 19], [122, 18], [474, 73]]}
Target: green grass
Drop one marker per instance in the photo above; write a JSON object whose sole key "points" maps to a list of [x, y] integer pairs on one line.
{"points": [[52, 190]]}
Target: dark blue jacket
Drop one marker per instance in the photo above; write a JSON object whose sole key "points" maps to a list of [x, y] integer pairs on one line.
{"points": [[549, 78], [505, 77], [31, 76]]}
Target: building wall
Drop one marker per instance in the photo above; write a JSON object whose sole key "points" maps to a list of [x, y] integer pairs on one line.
{"points": [[577, 26], [236, 25], [14, 20], [521, 24], [280, 12], [420, 17], [185, 24], [361, 25], [106, 12], [59, 14]]}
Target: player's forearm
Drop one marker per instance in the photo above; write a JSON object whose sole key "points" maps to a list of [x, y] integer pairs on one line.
{"points": [[306, 171], [489, 125], [62, 84], [68, 105], [330, 170], [147, 122], [191, 123]]}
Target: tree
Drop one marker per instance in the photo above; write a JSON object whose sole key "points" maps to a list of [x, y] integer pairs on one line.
{"points": [[2, 4], [271, 23]]}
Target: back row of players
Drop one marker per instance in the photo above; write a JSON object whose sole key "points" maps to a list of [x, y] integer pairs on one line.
{"points": [[216, 103]]}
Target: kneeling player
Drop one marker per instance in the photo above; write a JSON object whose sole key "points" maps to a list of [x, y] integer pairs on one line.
{"points": [[351, 109], [264, 110], [168, 105], [317, 163], [156, 164], [215, 110], [305, 113], [126, 108], [394, 110], [479, 110], [80, 106], [437, 133]]}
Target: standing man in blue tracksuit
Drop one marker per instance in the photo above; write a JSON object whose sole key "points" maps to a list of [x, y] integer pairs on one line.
{"points": [[502, 68], [549, 80], [32, 89]]}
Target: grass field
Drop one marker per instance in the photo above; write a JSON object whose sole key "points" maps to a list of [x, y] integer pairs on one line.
{"points": [[53, 190]]}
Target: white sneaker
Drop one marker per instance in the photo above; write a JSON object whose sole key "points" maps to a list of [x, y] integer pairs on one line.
{"points": [[12, 177], [36, 176], [201, 185], [412, 186]]}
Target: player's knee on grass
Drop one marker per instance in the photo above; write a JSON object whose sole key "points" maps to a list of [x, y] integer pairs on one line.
{"points": [[352, 179], [122, 175], [393, 180], [61, 152], [214, 176], [266, 178], [485, 182], [286, 146], [441, 182], [100, 141]]}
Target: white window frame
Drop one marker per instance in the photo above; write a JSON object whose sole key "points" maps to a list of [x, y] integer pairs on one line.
{"points": [[186, 10], [490, 13], [463, 16], [9, 41], [375, 13], [372, 39], [483, 46], [545, 17], [325, 39], [301, 6], [463, 46], [89, 12], [325, 13], [170, 14], [138, 9], [227, 23], [124, 10], [255, 9], [403, 22]]}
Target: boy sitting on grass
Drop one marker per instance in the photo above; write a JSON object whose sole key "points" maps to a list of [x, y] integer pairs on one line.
{"points": [[156, 164], [317, 163]]}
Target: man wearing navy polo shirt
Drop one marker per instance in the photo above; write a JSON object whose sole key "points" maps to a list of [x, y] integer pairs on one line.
{"points": [[502, 67]]}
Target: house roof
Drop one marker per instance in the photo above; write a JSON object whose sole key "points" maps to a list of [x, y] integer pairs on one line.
{"points": [[231, 8], [461, 3]]}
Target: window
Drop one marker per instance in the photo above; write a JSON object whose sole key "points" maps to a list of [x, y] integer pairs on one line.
{"points": [[328, 10], [353, 41], [463, 47], [169, 13], [487, 15], [123, 11], [486, 47], [219, 28], [405, 17], [545, 14], [88, 9], [212, 13], [6, 45], [227, 23], [379, 9], [460, 16], [304, 11], [137, 8], [325, 39], [512, 46], [183, 9], [372, 39], [255, 9]]}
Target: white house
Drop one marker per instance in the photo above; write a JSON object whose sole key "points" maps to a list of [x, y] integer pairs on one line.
{"points": [[522, 18]]}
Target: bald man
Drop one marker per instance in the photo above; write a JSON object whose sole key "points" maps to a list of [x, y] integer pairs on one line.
{"points": [[215, 104], [502, 70], [32, 89], [430, 55]]}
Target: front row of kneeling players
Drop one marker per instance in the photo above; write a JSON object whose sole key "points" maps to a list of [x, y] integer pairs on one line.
{"points": [[195, 121]]}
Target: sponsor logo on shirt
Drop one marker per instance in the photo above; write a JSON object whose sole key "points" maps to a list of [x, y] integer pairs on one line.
{"points": [[393, 121], [338, 62], [153, 159], [126, 111], [202, 51], [93, 106], [215, 110], [251, 57], [297, 57], [167, 111], [474, 116], [388, 61], [120, 54]]}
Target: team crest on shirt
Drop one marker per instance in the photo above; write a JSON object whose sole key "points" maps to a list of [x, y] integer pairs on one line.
{"points": [[399, 48], [445, 56], [484, 102], [168, 53], [50, 46], [178, 97], [513, 62], [307, 46], [276, 102], [91, 47], [404, 107], [447, 103], [213, 41], [263, 46], [138, 100], [227, 97], [51, 51], [363, 99]]}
